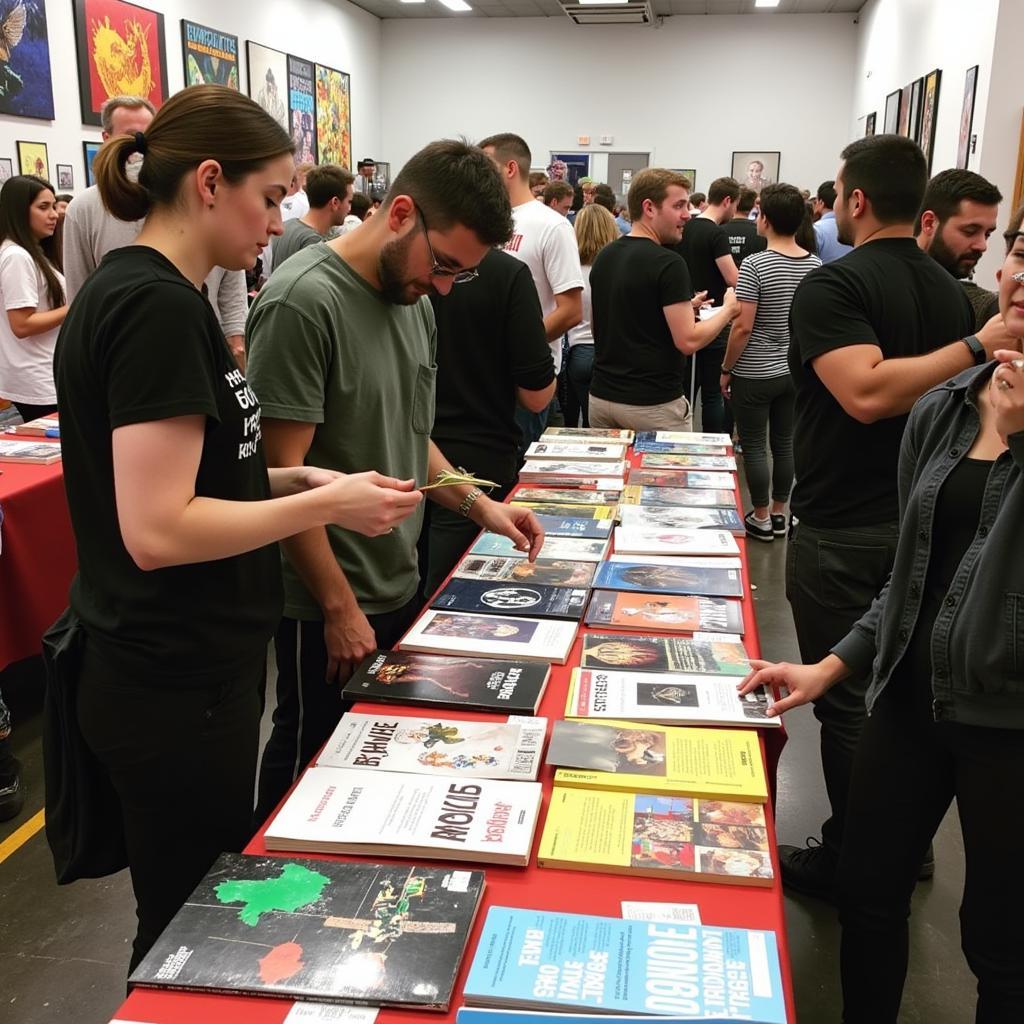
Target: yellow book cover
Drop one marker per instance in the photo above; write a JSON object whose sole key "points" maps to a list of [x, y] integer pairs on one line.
{"points": [[543, 508], [658, 836]]}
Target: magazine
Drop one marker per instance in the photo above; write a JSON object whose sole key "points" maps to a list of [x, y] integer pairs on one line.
{"points": [[440, 632], [674, 517], [533, 599], [555, 572], [668, 574], [689, 497], [671, 613], [635, 540], [664, 654], [572, 549]]}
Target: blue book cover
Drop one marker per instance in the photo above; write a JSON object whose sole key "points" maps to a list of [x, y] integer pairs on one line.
{"points": [[644, 578], [646, 441], [499, 597], [575, 549], [479, 1015], [592, 529], [534, 959]]}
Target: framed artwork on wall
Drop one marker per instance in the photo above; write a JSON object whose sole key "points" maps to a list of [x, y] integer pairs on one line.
{"points": [[869, 124], [929, 113], [755, 169], [301, 116], [65, 177], [210, 57], [914, 120], [6, 168], [333, 117], [903, 127], [121, 52], [892, 113], [89, 151], [32, 159], [690, 173], [268, 80], [576, 166], [963, 148], [26, 85]]}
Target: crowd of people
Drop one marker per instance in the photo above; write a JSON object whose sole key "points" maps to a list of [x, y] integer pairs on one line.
{"points": [[214, 510]]}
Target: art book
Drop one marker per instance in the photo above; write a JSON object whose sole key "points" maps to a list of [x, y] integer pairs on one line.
{"points": [[689, 437], [667, 699], [490, 1015], [647, 540], [30, 453], [673, 613], [396, 814], [554, 572], [716, 764], [681, 478], [657, 836], [584, 450], [587, 434], [376, 934], [532, 599], [447, 681], [432, 746], [649, 441], [565, 473], [704, 462], [664, 654], [440, 632], [44, 426], [689, 497], [538, 959], [568, 510], [561, 526], [668, 574], [675, 517], [572, 549], [568, 496]]}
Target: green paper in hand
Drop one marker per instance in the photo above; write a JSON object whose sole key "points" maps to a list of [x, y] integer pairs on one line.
{"points": [[456, 477]]}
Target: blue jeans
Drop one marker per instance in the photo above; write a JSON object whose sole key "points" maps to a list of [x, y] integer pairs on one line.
{"points": [[579, 369]]}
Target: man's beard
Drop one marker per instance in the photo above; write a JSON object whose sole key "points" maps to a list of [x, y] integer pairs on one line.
{"points": [[948, 260], [392, 264]]}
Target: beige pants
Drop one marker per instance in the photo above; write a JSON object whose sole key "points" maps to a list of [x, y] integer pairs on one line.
{"points": [[675, 415]]}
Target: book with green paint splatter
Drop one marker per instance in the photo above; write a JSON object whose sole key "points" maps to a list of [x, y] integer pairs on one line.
{"points": [[368, 934]]}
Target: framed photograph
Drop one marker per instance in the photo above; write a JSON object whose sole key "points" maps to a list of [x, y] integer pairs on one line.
{"points": [[301, 116], [869, 124], [929, 113], [903, 128], [892, 113], [210, 57], [689, 173], [569, 167], [32, 159], [89, 151], [65, 177], [6, 169], [26, 85], [963, 148], [121, 52], [753, 169], [914, 118], [333, 116], [268, 80]]}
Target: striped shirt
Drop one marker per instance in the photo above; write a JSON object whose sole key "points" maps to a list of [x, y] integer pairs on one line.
{"points": [[769, 278]]}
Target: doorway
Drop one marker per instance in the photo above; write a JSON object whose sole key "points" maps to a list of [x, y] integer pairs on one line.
{"points": [[621, 169]]}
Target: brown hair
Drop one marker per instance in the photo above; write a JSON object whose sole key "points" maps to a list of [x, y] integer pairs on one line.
{"points": [[555, 190], [1013, 228], [653, 183], [326, 182], [538, 178], [722, 189], [202, 122], [507, 147], [118, 103], [595, 228], [16, 197]]}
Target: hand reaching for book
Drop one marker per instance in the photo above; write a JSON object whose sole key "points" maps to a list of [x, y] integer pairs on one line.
{"points": [[514, 521], [805, 683], [369, 503]]}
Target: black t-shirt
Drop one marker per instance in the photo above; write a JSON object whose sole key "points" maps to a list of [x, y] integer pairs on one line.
{"points": [[140, 343], [635, 359], [743, 239], [703, 243], [490, 340], [887, 293]]}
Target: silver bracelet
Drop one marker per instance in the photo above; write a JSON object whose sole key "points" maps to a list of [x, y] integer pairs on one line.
{"points": [[469, 501]]}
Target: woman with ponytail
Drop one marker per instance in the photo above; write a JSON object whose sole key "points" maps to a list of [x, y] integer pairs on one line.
{"points": [[174, 512]]}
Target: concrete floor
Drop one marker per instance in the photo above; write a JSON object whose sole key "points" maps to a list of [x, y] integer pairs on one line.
{"points": [[64, 951]]}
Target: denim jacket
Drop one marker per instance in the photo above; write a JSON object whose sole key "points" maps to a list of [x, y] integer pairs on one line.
{"points": [[977, 643]]}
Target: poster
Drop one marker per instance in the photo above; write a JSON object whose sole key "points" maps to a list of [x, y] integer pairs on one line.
{"points": [[755, 169], [333, 117], [963, 147], [120, 53], [32, 159], [89, 151], [929, 114], [210, 57], [6, 168], [569, 167], [268, 80], [26, 88], [300, 109]]}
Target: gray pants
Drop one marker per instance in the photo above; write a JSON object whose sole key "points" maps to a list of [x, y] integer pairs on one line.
{"points": [[675, 415], [763, 408]]}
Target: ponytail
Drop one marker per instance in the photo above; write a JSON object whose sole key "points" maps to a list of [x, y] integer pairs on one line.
{"points": [[124, 198]]}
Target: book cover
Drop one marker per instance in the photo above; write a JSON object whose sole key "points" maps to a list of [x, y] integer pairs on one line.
{"points": [[561, 526], [598, 434], [644, 576], [448, 681], [676, 517], [554, 572], [378, 934], [588, 451], [432, 746], [657, 836], [669, 699], [637, 540], [440, 632], [548, 960], [533, 599], [689, 497], [536, 470], [672, 613], [568, 510], [493, 1015], [571, 549], [664, 654], [689, 437], [716, 764], [398, 814], [43, 426], [704, 462], [34, 453], [648, 441], [568, 496], [681, 478]]}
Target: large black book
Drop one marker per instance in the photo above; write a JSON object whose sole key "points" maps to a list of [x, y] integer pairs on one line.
{"points": [[449, 681], [369, 934], [535, 600]]}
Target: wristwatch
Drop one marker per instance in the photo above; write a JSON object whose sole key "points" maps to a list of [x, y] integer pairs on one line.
{"points": [[977, 349]]}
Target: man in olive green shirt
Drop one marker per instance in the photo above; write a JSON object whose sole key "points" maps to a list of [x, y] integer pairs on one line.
{"points": [[341, 354]]}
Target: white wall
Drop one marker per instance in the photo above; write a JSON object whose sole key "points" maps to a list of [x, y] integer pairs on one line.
{"points": [[335, 33], [690, 92]]}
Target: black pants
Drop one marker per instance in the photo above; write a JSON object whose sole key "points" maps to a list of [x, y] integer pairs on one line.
{"points": [[308, 707], [907, 771], [764, 412], [716, 416], [33, 412], [832, 576], [182, 760]]}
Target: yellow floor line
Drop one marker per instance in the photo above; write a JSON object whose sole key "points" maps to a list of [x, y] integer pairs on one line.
{"points": [[21, 836]]}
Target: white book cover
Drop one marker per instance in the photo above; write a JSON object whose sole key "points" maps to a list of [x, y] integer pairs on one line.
{"points": [[30, 452], [689, 437], [359, 810], [636, 541], [570, 468], [697, 562], [584, 452], [495, 636], [678, 517], [588, 434], [570, 549], [494, 749], [653, 460]]}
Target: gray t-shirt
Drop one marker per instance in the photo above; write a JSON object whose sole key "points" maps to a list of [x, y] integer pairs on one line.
{"points": [[325, 348], [297, 236]]}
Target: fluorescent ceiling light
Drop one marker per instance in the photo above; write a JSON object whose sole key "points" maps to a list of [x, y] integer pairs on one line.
{"points": [[766, 3], [412, 1], [601, 3], [456, 5]]}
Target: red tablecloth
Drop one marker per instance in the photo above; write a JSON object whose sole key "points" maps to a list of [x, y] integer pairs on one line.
{"points": [[38, 558]]}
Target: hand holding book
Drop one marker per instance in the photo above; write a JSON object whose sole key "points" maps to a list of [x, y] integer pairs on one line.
{"points": [[513, 521]]}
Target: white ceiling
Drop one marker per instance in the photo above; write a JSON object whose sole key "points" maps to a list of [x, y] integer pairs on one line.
{"points": [[552, 9]]}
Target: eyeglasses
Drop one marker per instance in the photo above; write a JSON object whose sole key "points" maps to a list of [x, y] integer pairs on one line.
{"points": [[457, 276]]}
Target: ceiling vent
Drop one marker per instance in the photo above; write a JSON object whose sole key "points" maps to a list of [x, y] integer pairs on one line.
{"points": [[635, 12]]}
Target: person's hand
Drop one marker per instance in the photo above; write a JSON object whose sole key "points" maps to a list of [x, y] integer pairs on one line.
{"points": [[804, 682], [700, 300], [994, 336], [725, 385], [307, 478], [369, 503], [510, 521], [349, 638], [1006, 393], [731, 304]]}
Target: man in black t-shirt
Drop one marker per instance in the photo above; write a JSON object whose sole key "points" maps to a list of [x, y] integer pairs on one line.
{"points": [[742, 231], [643, 317], [870, 334]]}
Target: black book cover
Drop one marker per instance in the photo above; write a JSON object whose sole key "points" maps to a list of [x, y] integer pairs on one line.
{"points": [[376, 934], [447, 681], [535, 600]]}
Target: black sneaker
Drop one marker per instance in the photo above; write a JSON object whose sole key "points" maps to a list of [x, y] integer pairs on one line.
{"points": [[809, 869], [12, 798], [757, 529], [779, 525]]}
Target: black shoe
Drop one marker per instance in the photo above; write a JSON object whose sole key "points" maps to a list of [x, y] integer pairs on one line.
{"points": [[757, 529], [12, 798], [779, 525], [809, 869]]}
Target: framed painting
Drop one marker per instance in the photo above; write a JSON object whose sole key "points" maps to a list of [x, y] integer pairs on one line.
{"points": [[690, 173], [121, 52], [210, 57], [963, 146], [89, 151], [65, 177], [892, 113], [301, 115], [268, 80], [903, 127], [333, 116], [26, 84], [929, 113], [914, 117], [576, 166], [32, 159], [869, 124], [755, 169], [6, 168]]}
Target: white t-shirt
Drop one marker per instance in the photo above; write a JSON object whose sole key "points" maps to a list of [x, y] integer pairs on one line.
{"points": [[26, 364], [293, 207], [583, 332], [546, 243]]}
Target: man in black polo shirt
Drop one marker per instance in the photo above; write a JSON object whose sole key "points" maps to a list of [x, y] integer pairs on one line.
{"points": [[742, 231], [870, 333]]}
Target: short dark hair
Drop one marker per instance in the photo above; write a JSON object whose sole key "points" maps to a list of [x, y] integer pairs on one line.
{"points": [[827, 194], [604, 196], [453, 182], [652, 183], [507, 147], [360, 204], [747, 200], [367, 161], [892, 173], [326, 182], [1013, 228], [696, 198], [783, 206], [722, 189], [555, 190], [538, 178], [948, 189]]}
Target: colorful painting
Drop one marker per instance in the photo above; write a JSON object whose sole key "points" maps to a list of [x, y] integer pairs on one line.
{"points": [[268, 80], [904, 122], [929, 113], [963, 148], [121, 52], [333, 116], [32, 159], [26, 87], [89, 150], [569, 167], [300, 109], [6, 168], [65, 177], [210, 57]]}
